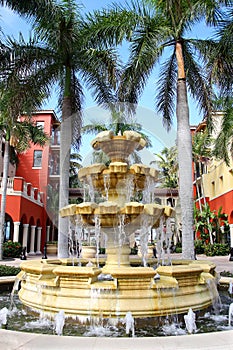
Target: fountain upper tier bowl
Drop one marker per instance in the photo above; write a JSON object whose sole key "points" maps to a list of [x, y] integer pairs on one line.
{"points": [[123, 145]]}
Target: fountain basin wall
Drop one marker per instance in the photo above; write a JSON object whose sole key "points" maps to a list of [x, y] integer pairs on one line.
{"points": [[50, 286]]}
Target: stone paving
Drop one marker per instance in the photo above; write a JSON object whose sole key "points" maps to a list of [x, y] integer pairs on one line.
{"points": [[222, 262]]}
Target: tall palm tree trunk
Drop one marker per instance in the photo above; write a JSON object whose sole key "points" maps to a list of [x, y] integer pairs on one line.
{"points": [[66, 140], [185, 159], [6, 161]]}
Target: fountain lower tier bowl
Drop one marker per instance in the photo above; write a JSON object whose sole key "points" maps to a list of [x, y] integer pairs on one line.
{"points": [[110, 213], [49, 286]]}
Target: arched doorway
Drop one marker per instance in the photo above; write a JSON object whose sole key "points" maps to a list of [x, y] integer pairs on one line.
{"points": [[8, 228]]}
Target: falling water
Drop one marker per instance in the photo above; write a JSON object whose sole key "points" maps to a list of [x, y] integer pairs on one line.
{"points": [[91, 188], [144, 233], [148, 190], [121, 236], [160, 242], [106, 185], [78, 236], [15, 289], [97, 238], [75, 238], [129, 188], [168, 238], [216, 301], [71, 238]]}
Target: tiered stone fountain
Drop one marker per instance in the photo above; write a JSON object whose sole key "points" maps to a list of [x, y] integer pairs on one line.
{"points": [[54, 285]]}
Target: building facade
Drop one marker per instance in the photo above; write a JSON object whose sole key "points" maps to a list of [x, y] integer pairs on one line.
{"points": [[213, 179], [32, 185]]}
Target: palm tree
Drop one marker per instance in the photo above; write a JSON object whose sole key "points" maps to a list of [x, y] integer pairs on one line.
{"points": [[64, 57], [168, 167], [152, 29], [75, 165]]}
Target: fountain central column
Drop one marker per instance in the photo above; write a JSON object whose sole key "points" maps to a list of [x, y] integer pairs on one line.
{"points": [[117, 250]]}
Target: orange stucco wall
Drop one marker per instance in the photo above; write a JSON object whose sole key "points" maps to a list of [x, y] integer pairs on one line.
{"points": [[225, 201]]}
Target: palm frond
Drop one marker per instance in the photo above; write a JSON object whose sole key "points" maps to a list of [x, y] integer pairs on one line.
{"points": [[103, 79], [111, 26], [34, 8], [94, 128], [145, 50], [198, 84], [166, 93], [224, 143]]}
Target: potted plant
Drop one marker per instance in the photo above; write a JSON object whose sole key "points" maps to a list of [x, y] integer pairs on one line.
{"points": [[88, 250]]}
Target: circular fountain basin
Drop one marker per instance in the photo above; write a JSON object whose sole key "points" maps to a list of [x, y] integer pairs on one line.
{"points": [[52, 285]]}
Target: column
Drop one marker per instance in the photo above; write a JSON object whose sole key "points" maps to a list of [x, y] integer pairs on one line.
{"points": [[47, 233], [25, 235], [32, 242], [38, 242], [16, 231], [231, 237]]}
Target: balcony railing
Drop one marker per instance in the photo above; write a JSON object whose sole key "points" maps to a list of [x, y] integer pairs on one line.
{"points": [[16, 185]]}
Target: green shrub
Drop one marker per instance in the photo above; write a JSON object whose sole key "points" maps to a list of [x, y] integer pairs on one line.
{"points": [[178, 250], [101, 250], [11, 249], [199, 246], [134, 251], [226, 273], [217, 249], [9, 270]]}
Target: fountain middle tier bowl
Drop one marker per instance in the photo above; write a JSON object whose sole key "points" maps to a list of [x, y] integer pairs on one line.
{"points": [[118, 176], [111, 214], [50, 286]]}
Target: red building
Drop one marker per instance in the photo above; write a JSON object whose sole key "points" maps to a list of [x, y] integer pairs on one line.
{"points": [[213, 179], [32, 191]]}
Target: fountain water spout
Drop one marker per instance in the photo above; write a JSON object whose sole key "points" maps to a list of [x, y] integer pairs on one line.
{"points": [[190, 321], [129, 322], [230, 313], [230, 289], [3, 316], [59, 322]]}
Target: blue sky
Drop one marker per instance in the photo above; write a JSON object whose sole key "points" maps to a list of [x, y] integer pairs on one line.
{"points": [[11, 23]]}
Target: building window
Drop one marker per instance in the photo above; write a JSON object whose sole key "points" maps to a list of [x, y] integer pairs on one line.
{"points": [[37, 159], [40, 125], [213, 188]]}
